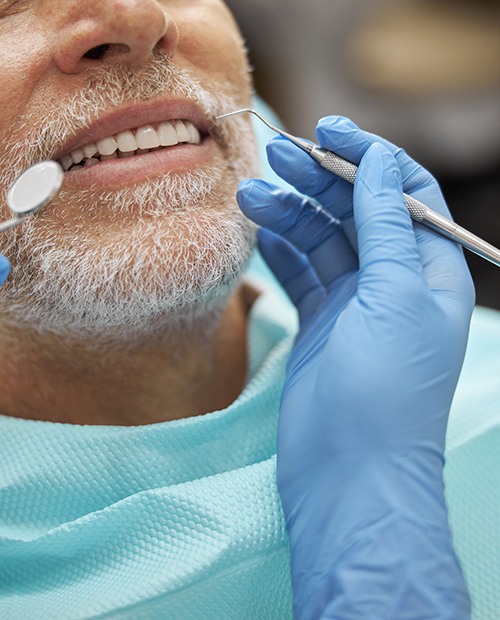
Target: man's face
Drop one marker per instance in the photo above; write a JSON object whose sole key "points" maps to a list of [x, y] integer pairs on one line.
{"points": [[137, 237]]}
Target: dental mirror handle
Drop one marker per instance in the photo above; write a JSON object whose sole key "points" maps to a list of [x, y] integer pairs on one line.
{"points": [[12, 223]]}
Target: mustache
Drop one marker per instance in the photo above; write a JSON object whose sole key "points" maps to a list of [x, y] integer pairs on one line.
{"points": [[108, 87]]}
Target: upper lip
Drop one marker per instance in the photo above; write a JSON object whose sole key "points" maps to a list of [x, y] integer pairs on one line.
{"points": [[137, 115]]}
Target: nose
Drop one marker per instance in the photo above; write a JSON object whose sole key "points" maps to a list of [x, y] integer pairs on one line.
{"points": [[95, 32]]}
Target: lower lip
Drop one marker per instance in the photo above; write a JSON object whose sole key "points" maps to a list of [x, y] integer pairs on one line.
{"points": [[129, 170]]}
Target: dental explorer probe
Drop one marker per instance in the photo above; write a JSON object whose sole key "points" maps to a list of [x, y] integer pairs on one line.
{"points": [[418, 210], [32, 190]]}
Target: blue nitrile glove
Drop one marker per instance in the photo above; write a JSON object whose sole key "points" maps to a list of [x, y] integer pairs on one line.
{"points": [[369, 382], [4, 269]]}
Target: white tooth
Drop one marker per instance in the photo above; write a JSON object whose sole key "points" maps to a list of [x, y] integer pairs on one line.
{"points": [[90, 150], [77, 156], [147, 138], [107, 157], [126, 142], [182, 132], [194, 134], [91, 162], [66, 162], [77, 167], [167, 134], [107, 146]]}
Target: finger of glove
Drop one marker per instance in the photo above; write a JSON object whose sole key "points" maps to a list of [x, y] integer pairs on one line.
{"points": [[309, 178], [388, 253], [305, 225], [294, 271], [445, 267], [341, 135], [349, 141], [4, 269]]}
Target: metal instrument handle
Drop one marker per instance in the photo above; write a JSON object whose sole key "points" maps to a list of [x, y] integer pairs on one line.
{"points": [[12, 223], [418, 210]]}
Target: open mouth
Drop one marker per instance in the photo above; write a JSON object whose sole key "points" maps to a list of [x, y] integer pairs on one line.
{"points": [[132, 142]]}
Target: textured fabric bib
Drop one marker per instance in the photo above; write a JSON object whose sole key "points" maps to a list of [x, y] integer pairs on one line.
{"points": [[181, 520], [173, 520]]}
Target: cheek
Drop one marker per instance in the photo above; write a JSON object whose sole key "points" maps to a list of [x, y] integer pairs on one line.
{"points": [[23, 52], [211, 41]]}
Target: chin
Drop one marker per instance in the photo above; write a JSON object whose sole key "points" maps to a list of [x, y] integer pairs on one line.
{"points": [[162, 275]]}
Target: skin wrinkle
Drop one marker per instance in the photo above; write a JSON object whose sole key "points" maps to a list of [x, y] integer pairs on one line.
{"points": [[125, 305]]}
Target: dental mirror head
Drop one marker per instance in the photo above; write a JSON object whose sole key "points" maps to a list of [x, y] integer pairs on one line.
{"points": [[34, 188]]}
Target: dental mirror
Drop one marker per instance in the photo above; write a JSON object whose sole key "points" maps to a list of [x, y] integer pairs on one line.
{"points": [[32, 190]]}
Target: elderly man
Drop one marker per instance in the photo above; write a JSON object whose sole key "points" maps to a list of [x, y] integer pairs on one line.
{"points": [[141, 373]]}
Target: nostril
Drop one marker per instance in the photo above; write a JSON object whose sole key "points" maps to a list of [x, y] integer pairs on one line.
{"points": [[96, 53], [108, 50]]}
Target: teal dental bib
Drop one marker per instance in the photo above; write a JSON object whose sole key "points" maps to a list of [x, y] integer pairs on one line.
{"points": [[173, 520]]}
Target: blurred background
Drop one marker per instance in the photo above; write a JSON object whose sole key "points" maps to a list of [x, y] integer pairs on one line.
{"points": [[424, 74]]}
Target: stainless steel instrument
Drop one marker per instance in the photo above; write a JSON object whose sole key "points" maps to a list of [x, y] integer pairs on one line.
{"points": [[418, 210]]}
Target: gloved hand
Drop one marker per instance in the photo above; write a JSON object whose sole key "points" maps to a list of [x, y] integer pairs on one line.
{"points": [[383, 332], [4, 269]]}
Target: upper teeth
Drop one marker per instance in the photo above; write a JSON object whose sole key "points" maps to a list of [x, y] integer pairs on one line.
{"points": [[167, 133]]}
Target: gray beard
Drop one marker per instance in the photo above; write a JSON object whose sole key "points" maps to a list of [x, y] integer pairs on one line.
{"points": [[159, 256], [170, 268]]}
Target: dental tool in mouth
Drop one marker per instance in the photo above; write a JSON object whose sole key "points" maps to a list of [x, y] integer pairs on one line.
{"points": [[131, 142], [418, 210], [32, 190]]}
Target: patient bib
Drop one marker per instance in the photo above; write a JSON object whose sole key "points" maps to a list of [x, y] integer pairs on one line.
{"points": [[181, 520], [178, 520]]}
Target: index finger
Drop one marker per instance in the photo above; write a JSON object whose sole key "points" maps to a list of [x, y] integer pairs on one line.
{"points": [[445, 268], [343, 137]]}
